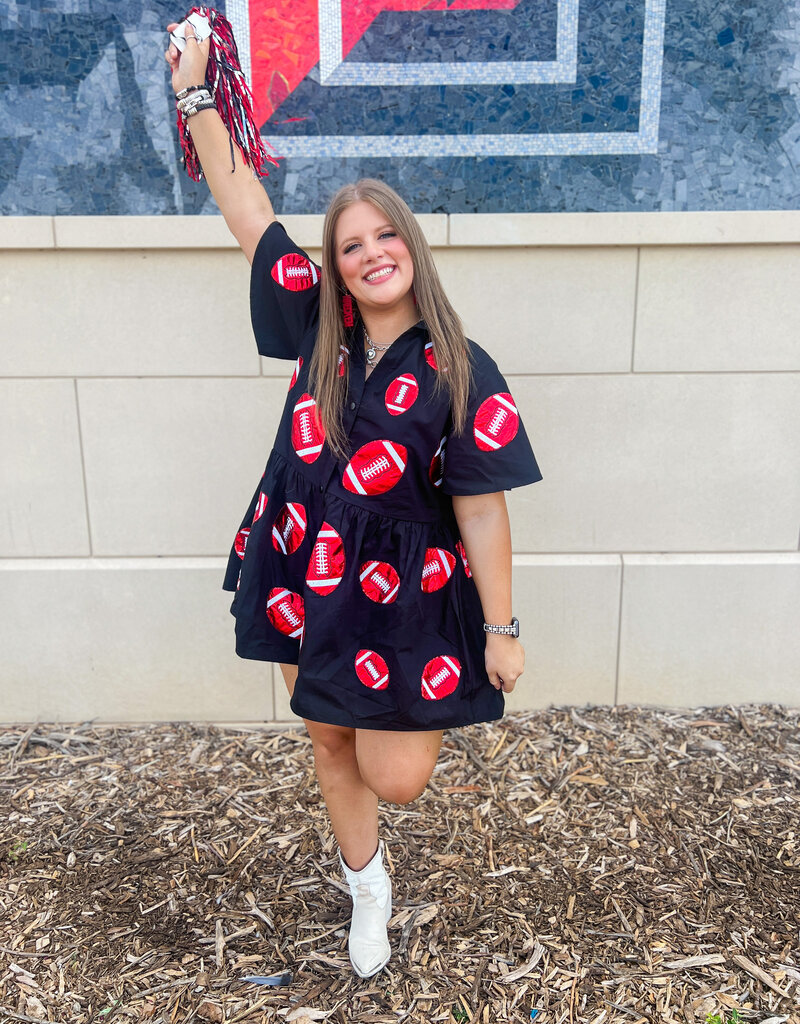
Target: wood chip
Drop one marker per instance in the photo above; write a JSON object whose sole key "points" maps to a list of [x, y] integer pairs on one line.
{"points": [[695, 961], [520, 972], [601, 864], [757, 972]]}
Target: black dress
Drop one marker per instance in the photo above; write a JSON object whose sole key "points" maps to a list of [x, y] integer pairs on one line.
{"points": [[354, 569]]}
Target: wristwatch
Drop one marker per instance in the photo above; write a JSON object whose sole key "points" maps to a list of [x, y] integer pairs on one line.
{"points": [[511, 630]]}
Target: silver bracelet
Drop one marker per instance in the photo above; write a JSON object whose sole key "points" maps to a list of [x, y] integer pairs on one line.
{"points": [[187, 100], [511, 630], [209, 105], [198, 90], [188, 105], [192, 101], [189, 88]]}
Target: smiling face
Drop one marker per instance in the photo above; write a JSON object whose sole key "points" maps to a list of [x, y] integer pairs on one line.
{"points": [[373, 260]]}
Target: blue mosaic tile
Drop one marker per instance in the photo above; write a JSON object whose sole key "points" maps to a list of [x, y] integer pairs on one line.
{"points": [[85, 114], [546, 105]]}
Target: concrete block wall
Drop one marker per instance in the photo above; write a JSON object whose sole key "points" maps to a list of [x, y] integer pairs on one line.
{"points": [[655, 360]]}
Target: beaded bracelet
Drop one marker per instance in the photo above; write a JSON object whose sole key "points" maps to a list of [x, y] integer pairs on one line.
{"points": [[205, 105], [189, 88], [202, 99], [192, 98]]}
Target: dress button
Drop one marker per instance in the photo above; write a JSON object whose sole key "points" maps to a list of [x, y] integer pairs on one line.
{"points": [[352, 405]]}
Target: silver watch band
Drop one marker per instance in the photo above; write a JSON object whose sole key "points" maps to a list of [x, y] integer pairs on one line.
{"points": [[510, 630]]}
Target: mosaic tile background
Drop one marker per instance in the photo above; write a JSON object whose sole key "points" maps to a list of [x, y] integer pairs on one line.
{"points": [[87, 122]]}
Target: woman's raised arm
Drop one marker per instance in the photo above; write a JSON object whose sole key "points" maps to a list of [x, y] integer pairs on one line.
{"points": [[240, 196]]}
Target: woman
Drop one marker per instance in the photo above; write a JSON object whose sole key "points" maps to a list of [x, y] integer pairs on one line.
{"points": [[397, 442]]}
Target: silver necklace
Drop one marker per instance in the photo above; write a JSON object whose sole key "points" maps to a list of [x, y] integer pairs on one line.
{"points": [[372, 348]]}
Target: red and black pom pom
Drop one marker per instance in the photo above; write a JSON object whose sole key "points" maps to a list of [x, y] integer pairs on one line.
{"points": [[232, 95]]}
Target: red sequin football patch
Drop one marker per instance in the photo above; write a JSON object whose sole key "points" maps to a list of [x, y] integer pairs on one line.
{"points": [[375, 468], [440, 677], [326, 565], [372, 670], [286, 612], [295, 273], [496, 422], [380, 582], [307, 433]]}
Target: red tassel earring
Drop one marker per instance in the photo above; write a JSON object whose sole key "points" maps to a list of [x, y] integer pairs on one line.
{"points": [[347, 309]]}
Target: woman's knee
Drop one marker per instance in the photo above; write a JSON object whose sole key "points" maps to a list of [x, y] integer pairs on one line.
{"points": [[397, 767], [397, 789]]}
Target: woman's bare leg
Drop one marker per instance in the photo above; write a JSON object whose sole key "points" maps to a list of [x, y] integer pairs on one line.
{"points": [[352, 805], [355, 767]]}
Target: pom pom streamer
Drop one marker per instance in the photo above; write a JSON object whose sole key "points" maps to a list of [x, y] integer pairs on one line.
{"points": [[233, 99]]}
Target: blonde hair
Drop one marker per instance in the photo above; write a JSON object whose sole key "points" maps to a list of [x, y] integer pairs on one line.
{"points": [[444, 326]]}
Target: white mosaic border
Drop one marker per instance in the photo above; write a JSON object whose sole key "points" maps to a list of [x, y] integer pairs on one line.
{"points": [[334, 71], [645, 140], [238, 14]]}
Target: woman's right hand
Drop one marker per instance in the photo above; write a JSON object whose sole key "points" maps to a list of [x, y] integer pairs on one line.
{"points": [[188, 68], [240, 196]]}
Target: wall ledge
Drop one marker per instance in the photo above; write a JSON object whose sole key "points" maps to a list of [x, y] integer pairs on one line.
{"points": [[744, 227], [476, 230]]}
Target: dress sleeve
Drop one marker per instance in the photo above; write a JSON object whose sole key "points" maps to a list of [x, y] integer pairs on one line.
{"points": [[493, 453], [284, 294]]}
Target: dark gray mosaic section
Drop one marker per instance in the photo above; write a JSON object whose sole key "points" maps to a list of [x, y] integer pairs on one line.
{"points": [[605, 95], [528, 32], [87, 118]]}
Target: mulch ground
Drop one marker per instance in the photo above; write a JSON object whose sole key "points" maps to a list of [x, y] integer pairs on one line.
{"points": [[598, 865]]}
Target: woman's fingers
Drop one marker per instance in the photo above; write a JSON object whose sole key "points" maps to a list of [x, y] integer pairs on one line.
{"points": [[187, 66], [506, 685], [506, 682], [171, 54]]}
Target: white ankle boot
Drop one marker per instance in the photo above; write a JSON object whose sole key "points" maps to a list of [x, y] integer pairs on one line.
{"points": [[371, 889]]}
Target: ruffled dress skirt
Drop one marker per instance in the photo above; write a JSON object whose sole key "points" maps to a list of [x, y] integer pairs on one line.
{"points": [[379, 613]]}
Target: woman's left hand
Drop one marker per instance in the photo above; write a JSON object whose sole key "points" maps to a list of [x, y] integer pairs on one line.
{"points": [[505, 661]]}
